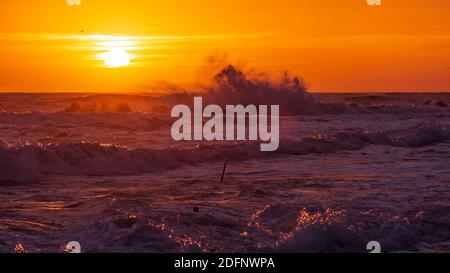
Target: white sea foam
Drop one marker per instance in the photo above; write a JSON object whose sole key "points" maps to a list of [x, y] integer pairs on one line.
{"points": [[27, 162]]}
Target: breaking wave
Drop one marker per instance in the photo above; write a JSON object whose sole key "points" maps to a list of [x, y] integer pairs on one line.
{"points": [[232, 86], [285, 228], [32, 162]]}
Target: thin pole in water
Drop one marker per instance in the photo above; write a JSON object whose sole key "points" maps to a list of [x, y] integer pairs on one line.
{"points": [[223, 172]]}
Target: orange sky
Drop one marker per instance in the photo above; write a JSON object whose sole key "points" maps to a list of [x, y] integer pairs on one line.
{"points": [[336, 45]]}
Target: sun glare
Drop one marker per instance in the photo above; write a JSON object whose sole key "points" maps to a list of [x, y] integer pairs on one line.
{"points": [[116, 57], [115, 49]]}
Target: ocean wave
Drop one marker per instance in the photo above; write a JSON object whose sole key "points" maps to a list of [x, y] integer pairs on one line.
{"points": [[349, 230], [124, 234], [45, 121], [34, 161], [280, 227]]}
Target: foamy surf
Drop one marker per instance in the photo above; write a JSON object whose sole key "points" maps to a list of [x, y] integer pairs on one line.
{"points": [[32, 162]]}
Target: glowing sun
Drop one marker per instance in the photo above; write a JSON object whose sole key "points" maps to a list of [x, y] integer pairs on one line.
{"points": [[116, 57]]}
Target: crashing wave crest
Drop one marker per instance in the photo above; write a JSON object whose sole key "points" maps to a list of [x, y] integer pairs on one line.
{"points": [[32, 162]]}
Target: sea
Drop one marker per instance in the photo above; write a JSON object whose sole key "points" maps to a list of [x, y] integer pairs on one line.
{"points": [[103, 170]]}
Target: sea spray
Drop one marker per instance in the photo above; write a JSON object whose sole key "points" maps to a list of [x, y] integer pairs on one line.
{"points": [[213, 129]]}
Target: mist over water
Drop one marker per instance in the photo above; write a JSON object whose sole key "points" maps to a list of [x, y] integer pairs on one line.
{"points": [[230, 85]]}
